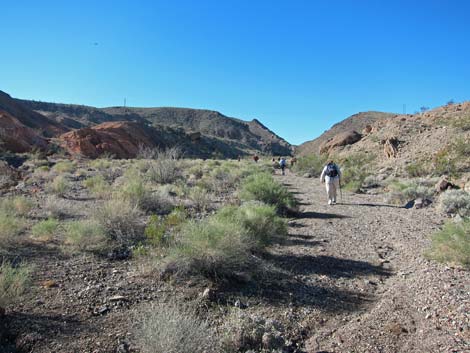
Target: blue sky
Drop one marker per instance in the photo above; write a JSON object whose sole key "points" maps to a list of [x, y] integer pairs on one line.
{"points": [[298, 66]]}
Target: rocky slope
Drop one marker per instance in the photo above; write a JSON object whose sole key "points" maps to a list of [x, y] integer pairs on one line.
{"points": [[233, 136]]}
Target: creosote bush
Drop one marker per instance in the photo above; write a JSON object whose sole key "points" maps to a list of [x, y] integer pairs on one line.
{"points": [[455, 202], [401, 192], [452, 243], [355, 169], [262, 187], [14, 281], [10, 227], [98, 186], [18, 205], [173, 328], [64, 167]]}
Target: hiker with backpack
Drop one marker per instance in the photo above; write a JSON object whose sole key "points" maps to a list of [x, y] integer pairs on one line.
{"points": [[331, 176], [282, 164]]}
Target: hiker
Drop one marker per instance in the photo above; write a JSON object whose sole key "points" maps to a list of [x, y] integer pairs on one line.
{"points": [[239, 158], [282, 164], [255, 158], [293, 160], [331, 176]]}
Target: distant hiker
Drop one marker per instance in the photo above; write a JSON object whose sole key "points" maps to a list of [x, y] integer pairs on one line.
{"points": [[282, 164], [293, 160], [256, 158], [331, 176], [239, 158]]}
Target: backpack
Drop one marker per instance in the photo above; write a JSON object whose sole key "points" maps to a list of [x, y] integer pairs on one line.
{"points": [[331, 170], [282, 163]]}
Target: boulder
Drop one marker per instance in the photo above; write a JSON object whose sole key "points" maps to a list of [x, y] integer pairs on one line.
{"points": [[367, 130], [444, 184], [342, 139], [121, 139], [422, 203], [390, 147]]}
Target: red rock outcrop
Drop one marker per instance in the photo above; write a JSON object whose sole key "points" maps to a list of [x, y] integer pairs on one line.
{"points": [[342, 139], [121, 139], [16, 137]]}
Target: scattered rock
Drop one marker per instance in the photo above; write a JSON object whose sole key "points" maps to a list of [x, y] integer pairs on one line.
{"points": [[421, 203], [444, 184], [117, 298], [49, 283], [101, 310], [208, 294], [307, 175], [391, 147]]}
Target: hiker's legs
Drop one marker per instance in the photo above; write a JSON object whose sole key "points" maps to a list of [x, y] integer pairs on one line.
{"points": [[283, 170], [335, 188], [329, 191]]}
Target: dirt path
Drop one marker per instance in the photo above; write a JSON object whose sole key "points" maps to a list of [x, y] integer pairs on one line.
{"points": [[363, 281]]}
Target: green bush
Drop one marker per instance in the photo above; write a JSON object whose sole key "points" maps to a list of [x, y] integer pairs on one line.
{"points": [[86, 235], [401, 192], [14, 282], [262, 187], [155, 231], [312, 164], [259, 220], [201, 198], [416, 169], [455, 202], [172, 328], [46, 229], [355, 169], [64, 167], [212, 248], [452, 243]]}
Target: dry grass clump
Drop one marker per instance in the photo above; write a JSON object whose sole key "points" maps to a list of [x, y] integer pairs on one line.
{"points": [[10, 227], [173, 328], [262, 187], [455, 202], [85, 235], [59, 186], [46, 229], [164, 169], [14, 281], [98, 186], [452, 243], [120, 220], [18, 205], [201, 198], [55, 207]]}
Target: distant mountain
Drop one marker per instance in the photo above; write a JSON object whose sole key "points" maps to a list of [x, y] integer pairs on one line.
{"points": [[227, 136], [357, 122]]}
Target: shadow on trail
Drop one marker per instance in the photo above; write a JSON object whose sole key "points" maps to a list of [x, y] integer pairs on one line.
{"points": [[326, 265], [369, 205], [320, 215]]}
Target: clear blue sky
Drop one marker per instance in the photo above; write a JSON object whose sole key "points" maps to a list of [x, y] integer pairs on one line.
{"points": [[298, 66]]}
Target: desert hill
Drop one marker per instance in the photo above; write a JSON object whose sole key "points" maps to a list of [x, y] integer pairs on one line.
{"points": [[357, 122], [436, 141], [228, 136]]}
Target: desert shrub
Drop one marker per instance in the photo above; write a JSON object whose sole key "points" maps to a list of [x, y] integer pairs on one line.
{"points": [[173, 328], [100, 164], [98, 186], [312, 164], [455, 202], [55, 207], [14, 281], [416, 169], [164, 170], [262, 187], [155, 231], [120, 220], [200, 198], [212, 248], [196, 170], [371, 181], [452, 243], [18, 205], [355, 168], [403, 191], [64, 167], [85, 235], [45, 229], [260, 221], [444, 163], [10, 227], [59, 186]]}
